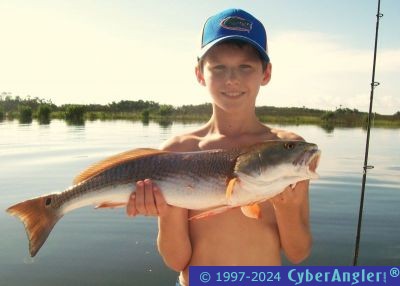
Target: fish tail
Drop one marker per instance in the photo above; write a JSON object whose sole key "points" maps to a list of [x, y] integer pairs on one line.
{"points": [[38, 217]]}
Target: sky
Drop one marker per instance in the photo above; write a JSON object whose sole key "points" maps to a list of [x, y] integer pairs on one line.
{"points": [[103, 51]]}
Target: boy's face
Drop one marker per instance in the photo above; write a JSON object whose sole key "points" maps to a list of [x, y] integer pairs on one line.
{"points": [[233, 76]]}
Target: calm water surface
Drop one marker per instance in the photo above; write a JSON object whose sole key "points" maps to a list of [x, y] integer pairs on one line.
{"points": [[104, 247]]}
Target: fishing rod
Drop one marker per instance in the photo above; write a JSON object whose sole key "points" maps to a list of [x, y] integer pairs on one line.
{"points": [[366, 166]]}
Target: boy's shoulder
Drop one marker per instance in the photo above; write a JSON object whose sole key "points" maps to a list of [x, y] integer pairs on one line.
{"points": [[192, 141], [183, 143], [285, 135]]}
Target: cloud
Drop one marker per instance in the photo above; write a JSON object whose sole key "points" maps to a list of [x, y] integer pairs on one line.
{"points": [[317, 70]]}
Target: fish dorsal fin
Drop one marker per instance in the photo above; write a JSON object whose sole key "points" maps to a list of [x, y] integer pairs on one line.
{"points": [[113, 161]]}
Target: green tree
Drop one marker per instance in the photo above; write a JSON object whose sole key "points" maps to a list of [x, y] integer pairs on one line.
{"points": [[328, 116], [25, 114], [166, 110], [74, 114], [43, 113]]}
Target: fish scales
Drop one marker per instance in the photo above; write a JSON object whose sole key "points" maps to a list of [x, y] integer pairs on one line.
{"points": [[194, 166]]}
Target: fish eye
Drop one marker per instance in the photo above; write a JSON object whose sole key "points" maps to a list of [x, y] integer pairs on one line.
{"points": [[47, 201], [288, 145]]}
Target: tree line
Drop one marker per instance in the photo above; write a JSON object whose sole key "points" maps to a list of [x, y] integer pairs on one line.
{"points": [[33, 107]]}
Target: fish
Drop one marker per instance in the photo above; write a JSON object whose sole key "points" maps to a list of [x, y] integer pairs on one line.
{"points": [[212, 180]]}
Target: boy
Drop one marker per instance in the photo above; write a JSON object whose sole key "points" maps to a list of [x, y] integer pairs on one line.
{"points": [[233, 65]]}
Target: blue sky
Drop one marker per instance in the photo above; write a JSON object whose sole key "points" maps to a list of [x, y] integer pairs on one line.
{"points": [[104, 51]]}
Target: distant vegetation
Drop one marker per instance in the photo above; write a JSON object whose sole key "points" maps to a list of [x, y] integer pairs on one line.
{"points": [[24, 114], [43, 114], [44, 110], [75, 114]]}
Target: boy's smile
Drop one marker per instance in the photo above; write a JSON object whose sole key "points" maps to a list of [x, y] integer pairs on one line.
{"points": [[233, 94], [233, 76]]}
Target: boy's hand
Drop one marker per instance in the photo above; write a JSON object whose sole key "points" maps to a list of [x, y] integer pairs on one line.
{"points": [[147, 200], [292, 195]]}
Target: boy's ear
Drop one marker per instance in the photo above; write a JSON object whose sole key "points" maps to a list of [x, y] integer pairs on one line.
{"points": [[267, 74], [199, 75]]}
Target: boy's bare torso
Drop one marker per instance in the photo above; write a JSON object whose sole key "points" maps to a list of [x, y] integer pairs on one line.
{"points": [[230, 238]]}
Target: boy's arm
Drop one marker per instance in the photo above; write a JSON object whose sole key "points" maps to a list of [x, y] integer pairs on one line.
{"points": [[292, 213], [173, 236], [292, 216], [173, 239], [173, 226]]}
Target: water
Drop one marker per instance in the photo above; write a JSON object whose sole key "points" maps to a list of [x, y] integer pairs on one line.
{"points": [[105, 247]]}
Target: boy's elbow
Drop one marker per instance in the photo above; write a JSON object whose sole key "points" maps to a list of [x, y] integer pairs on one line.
{"points": [[176, 264], [176, 259], [298, 257], [300, 254]]}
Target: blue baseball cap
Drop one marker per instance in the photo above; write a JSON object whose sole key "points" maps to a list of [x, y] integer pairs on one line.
{"points": [[234, 24]]}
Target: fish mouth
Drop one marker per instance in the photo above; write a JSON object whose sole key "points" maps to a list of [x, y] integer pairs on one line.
{"points": [[310, 159]]}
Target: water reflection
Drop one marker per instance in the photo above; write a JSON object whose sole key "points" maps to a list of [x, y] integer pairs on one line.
{"points": [[145, 121], [25, 120], [164, 122], [44, 121], [328, 127], [76, 122]]}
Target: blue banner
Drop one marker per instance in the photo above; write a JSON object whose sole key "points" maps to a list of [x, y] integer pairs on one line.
{"points": [[293, 275]]}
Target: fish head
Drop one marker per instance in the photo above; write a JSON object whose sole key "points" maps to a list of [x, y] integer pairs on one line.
{"points": [[289, 160]]}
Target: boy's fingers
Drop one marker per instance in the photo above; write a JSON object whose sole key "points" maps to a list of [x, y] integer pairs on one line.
{"points": [[161, 204], [131, 208], [282, 196], [149, 202], [143, 200], [139, 202]]}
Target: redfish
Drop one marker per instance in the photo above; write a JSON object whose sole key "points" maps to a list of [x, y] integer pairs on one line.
{"points": [[213, 180]]}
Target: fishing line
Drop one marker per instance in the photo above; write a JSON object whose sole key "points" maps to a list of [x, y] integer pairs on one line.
{"points": [[366, 166]]}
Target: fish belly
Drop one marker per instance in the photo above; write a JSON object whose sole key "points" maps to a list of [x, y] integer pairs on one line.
{"points": [[118, 194], [177, 191], [196, 194]]}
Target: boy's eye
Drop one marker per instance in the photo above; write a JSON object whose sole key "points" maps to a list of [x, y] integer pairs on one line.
{"points": [[219, 68], [245, 67]]}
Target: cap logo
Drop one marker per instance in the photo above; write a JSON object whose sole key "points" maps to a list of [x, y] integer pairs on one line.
{"points": [[237, 24]]}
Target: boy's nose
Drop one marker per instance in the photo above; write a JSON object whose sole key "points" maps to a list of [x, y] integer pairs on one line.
{"points": [[232, 75]]}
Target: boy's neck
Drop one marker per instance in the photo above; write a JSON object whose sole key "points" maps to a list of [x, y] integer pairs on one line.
{"points": [[231, 124]]}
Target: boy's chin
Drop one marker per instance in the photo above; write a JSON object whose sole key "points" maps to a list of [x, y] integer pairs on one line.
{"points": [[235, 105]]}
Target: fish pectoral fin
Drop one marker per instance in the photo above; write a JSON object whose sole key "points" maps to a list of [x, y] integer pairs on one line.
{"points": [[110, 205], [211, 212], [230, 186], [252, 211]]}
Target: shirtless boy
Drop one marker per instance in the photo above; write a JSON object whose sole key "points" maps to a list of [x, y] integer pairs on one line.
{"points": [[233, 65]]}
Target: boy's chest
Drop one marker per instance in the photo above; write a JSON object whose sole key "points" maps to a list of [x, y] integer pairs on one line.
{"points": [[234, 221]]}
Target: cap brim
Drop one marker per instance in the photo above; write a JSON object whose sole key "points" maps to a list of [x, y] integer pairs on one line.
{"points": [[207, 47]]}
